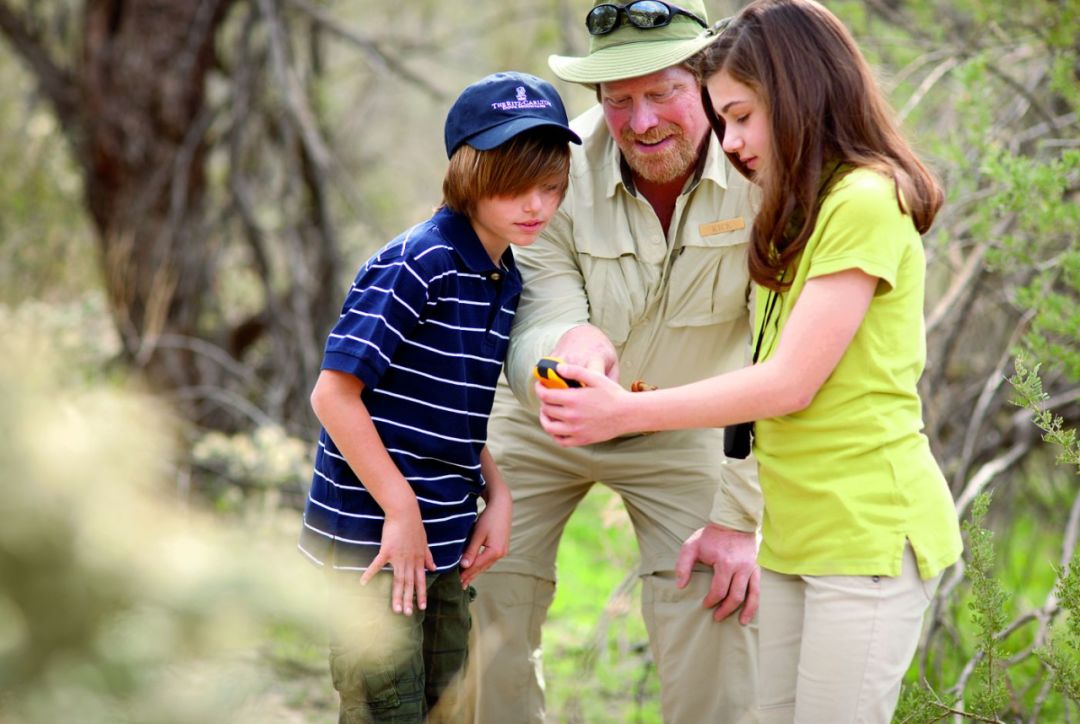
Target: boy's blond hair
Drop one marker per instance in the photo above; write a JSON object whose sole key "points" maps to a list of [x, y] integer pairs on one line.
{"points": [[526, 160]]}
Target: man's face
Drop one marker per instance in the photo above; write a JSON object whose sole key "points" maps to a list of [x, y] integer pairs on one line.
{"points": [[657, 121]]}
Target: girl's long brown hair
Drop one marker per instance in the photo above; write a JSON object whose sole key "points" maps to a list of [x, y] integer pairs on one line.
{"points": [[824, 109]]}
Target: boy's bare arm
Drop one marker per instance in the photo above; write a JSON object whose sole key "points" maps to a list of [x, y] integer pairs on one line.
{"points": [[337, 404], [490, 538]]}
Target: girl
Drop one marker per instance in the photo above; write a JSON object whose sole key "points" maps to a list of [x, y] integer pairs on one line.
{"points": [[858, 522]]}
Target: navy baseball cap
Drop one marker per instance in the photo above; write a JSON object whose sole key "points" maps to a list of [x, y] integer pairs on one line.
{"points": [[498, 107]]}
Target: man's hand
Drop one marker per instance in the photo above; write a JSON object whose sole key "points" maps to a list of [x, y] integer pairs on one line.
{"points": [[587, 346], [733, 557]]}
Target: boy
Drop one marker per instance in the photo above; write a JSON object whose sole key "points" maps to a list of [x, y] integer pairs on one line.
{"points": [[404, 395]]}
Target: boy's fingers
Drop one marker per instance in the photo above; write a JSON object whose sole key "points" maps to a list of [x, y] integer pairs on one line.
{"points": [[405, 603], [482, 562], [375, 566], [397, 591], [421, 589], [471, 552]]}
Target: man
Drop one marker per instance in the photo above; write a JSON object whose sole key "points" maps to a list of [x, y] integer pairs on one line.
{"points": [[642, 274]]}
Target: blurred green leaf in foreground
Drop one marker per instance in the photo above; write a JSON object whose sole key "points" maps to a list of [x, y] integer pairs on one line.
{"points": [[119, 602]]}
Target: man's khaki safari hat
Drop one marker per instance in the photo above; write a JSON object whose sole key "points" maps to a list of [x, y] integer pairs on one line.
{"points": [[628, 51]]}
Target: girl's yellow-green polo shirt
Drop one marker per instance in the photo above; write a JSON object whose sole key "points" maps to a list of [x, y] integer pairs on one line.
{"points": [[851, 477]]}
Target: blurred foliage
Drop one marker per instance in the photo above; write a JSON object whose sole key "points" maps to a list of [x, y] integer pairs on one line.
{"points": [[266, 458], [1062, 655], [46, 245], [1030, 395], [988, 615], [118, 600]]}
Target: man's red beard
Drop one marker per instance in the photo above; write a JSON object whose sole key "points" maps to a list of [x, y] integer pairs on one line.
{"points": [[659, 166]]}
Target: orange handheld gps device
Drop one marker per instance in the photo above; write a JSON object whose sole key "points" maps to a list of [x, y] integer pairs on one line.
{"points": [[545, 372]]}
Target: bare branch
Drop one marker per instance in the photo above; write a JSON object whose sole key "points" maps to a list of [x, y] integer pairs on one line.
{"points": [[209, 351], [961, 285], [227, 399], [986, 474], [1072, 531], [928, 82], [371, 48], [993, 383], [295, 100]]}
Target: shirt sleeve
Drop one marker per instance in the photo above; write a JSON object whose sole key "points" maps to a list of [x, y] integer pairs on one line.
{"points": [[553, 301], [737, 503], [862, 227], [383, 306]]}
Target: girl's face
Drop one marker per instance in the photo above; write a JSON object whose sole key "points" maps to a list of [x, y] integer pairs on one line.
{"points": [[745, 117]]}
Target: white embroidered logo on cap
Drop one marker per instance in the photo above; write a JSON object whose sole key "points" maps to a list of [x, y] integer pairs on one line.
{"points": [[522, 101]]}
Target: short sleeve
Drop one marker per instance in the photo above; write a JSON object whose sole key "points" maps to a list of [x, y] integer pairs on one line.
{"points": [[385, 303], [862, 227]]}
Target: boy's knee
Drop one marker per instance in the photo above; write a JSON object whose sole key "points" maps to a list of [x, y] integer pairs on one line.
{"points": [[376, 687]]}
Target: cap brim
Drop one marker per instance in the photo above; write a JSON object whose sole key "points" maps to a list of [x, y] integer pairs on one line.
{"points": [[492, 137], [628, 60]]}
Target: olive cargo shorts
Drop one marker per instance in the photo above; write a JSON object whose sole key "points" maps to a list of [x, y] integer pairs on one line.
{"points": [[388, 667]]}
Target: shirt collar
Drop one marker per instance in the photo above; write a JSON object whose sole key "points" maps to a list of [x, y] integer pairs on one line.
{"points": [[458, 231]]}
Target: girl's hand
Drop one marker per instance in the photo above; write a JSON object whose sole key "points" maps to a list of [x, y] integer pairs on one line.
{"points": [[594, 412], [404, 547]]}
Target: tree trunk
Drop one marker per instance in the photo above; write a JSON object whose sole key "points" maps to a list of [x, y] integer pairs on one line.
{"points": [[142, 91], [133, 101]]}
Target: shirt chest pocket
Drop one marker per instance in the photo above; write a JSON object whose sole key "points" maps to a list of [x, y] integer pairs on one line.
{"points": [[617, 284], [709, 280]]}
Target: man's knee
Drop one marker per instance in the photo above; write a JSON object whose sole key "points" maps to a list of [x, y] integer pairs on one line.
{"points": [[505, 664], [510, 607], [708, 669]]}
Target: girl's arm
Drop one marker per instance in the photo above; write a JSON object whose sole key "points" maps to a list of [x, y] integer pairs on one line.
{"points": [[337, 404], [822, 325]]}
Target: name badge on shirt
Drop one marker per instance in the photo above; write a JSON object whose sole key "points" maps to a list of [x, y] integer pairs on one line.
{"points": [[722, 227]]}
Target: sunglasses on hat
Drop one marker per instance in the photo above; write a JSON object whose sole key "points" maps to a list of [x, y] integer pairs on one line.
{"points": [[643, 14]]}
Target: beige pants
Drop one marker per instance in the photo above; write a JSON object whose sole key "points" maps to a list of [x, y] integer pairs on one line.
{"points": [[667, 482], [835, 648]]}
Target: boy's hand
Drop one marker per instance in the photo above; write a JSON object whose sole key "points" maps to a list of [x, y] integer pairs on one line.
{"points": [[490, 539], [404, 547]]}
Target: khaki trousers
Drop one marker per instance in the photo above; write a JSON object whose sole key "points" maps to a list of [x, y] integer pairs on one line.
{"points": [[835, 648], [667, 482]]}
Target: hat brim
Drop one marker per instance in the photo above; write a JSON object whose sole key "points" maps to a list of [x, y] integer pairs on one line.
{"points": [[492, 137], [628, 60]]}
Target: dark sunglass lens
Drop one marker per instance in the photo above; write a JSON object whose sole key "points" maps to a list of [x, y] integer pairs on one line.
{"points": [[648, 14], [601, 19]]}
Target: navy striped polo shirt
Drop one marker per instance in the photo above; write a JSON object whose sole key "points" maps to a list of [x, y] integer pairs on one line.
{"points": [[425, 326]]}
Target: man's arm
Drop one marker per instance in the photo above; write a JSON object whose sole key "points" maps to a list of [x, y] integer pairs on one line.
{"points": [[553, 315], [337, 404]]}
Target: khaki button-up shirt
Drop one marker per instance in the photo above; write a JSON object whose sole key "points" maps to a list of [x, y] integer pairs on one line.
{"points": [[675, 306]]}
